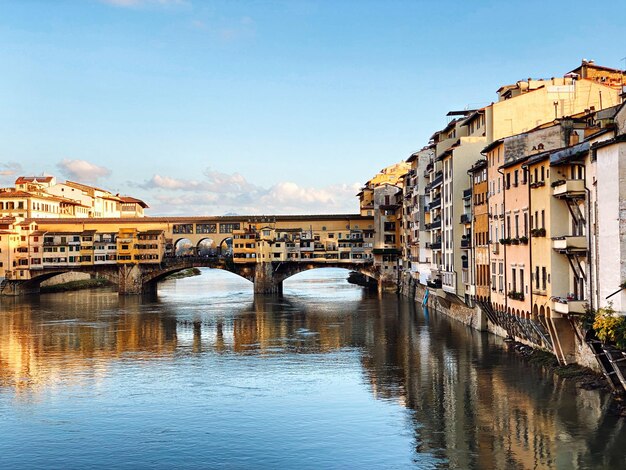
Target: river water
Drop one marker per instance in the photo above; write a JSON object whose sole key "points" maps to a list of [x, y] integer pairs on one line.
{"points": [[328, 376]]}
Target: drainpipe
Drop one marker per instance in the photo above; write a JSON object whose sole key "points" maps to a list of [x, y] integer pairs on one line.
{"points": [[506, 297]]}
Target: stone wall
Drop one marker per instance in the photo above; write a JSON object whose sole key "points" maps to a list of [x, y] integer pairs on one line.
{"points": [[475, 318]]}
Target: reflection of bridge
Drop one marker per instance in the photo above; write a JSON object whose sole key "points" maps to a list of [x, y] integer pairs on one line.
{"points": [[136, 253]]}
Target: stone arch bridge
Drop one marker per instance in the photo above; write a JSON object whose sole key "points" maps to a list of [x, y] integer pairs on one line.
{"points": [[267, 277]]}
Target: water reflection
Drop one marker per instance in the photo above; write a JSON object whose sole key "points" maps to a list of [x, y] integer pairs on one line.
{"points": [[452, 397]]}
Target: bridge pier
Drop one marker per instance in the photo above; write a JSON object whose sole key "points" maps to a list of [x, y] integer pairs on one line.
{"points": [[130, 280], [265, 280]]}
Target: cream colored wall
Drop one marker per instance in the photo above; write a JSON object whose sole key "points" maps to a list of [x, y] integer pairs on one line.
{"points": [[527, 111]]}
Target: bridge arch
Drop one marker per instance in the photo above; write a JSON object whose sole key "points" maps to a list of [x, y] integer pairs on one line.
{"points": [[285, 270], [207, 247], [184, 247], [150, 280], [226, 246]]}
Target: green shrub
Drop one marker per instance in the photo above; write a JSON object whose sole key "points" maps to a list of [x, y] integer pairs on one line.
{"points": [[610, 327]]}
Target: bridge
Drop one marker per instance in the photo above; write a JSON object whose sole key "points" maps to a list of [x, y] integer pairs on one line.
{"points": [[135, 254]]}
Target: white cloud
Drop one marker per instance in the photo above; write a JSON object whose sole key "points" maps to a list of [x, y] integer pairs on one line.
{"points": [[219, 193], [8, 172], [82, 170], [10, 169]]}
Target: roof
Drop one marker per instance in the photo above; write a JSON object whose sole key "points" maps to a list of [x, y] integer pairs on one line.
{"points": [[475, 114], [84, 186], [568, 154], [618, 139], [514, 162], [492, 146], [132, 200], [464, 112], [593, 65], [479, 165], [201, 219], [15, 194], [33, 179]]}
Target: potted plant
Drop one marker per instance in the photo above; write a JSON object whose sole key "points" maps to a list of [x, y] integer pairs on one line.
{"points": [[523, 239]]}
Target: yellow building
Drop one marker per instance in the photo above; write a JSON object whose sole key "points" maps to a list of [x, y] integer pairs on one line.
{"points": [[530, 103]]}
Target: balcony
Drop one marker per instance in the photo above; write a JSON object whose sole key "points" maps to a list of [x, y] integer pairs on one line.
{"points": [[448, 281], [568, 189], [429, 167], [466, 219], [568, 307], [465, 243], [435, 246], [467, 193], [435, 225], [569, 244], [435, 203], [438, 180]]}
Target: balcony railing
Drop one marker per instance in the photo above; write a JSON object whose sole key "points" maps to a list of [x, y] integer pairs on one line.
{"points": [[568, 306], [448, 281], [435, 203], [466, 218], [467, 193], [435, 246], [568, 188], [438, 180], [569, 244], [465, 243]]}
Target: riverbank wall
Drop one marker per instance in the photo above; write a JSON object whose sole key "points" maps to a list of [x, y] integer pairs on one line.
{"points": [[550, 335]]}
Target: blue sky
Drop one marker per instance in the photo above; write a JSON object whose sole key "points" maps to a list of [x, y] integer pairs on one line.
{"points": [[209, 107]]}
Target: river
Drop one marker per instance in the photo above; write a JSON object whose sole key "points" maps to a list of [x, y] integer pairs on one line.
{"points": [[326, 376]]}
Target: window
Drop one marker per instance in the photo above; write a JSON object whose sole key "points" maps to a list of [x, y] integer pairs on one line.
{"points": [[229, 228], [206, 228], [526, 224], [537, 277], [182, 228], [543, 277], [514, 279]]}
